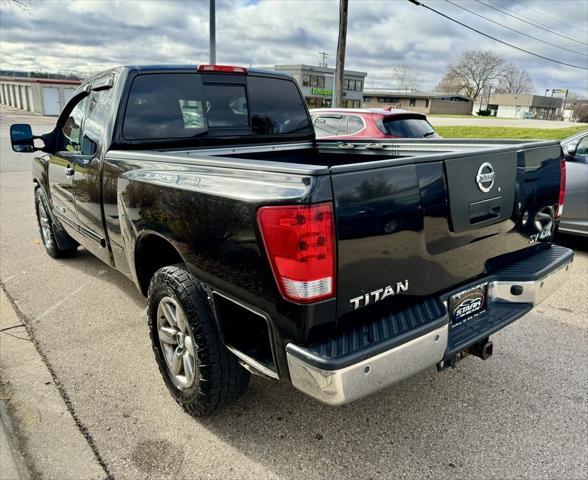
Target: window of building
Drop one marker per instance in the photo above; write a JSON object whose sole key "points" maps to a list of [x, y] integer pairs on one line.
{"points": [[426, 103], [413, 102], [358, 85], [345, 84], [319, 102], [351, 103], [313, 81]]}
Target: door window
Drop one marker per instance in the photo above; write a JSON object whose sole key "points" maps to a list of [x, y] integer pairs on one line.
{"points": [[72, 128], [354, 124], [326, 126], [94, 127], [582, 148]]}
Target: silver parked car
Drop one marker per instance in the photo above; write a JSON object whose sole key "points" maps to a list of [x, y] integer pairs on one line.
{"points": [[574, 219]]}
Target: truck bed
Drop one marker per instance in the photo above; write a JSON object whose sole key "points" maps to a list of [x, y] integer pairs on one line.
{"points": [[308, 158], [408, 212]]}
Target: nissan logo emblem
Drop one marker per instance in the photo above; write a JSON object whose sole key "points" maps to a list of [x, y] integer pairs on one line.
{"points": [[485, 177]]}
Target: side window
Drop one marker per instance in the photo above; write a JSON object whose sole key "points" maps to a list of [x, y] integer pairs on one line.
{"points": [[72, 128], [354, 124], [94, 128], [327, 126], [582, 148]]}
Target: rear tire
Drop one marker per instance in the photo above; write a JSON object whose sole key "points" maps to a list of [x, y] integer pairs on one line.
{"points": [[47, 229], [198, 370]]}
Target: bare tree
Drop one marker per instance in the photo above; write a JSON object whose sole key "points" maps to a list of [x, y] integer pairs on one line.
{"points": [[406, 77], [340, 67], [23, 4], [512, 80], [473, 71]]}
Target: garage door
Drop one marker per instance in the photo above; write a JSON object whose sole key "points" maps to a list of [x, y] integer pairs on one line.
{"points": [[67, 93], [51, 105]]}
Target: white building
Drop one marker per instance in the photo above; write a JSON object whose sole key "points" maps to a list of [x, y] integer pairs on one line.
{"points": [[44, 96], [522, 106]]}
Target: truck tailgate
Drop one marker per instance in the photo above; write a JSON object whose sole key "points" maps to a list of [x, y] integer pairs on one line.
{"points": [[410, 229]]}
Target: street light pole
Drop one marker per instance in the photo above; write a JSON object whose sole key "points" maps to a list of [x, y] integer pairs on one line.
{"points": [[212, 32]]}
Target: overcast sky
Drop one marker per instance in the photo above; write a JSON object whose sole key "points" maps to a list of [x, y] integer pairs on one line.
{"points": [[92, 35]]}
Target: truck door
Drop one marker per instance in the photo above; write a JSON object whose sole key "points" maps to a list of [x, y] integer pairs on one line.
{"points": [[87, 189], [61, 168]]}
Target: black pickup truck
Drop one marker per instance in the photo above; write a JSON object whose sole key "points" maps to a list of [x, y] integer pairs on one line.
{"points": [[339, 267]]}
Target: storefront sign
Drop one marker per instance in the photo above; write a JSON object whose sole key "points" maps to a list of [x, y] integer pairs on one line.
{"points": [[322, 91]]}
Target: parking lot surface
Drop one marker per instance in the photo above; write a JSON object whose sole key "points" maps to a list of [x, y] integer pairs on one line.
{"points": [[520, 414]]}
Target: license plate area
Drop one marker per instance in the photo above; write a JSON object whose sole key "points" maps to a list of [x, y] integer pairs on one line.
{"points": [[468, 303]]}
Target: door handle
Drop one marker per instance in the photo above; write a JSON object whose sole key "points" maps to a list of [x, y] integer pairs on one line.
{"points": [[69, 171]]}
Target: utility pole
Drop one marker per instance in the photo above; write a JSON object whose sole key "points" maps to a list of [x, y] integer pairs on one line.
{"points": [[324, 56], [340, 68], [212, 32], [564, 105]]}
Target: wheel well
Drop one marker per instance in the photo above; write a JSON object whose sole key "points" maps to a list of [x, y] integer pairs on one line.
{"points": [[151, 254]]}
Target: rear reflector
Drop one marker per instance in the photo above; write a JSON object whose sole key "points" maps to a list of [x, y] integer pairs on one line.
{"points": [[300, 243], [221, 68], [562, 189]]}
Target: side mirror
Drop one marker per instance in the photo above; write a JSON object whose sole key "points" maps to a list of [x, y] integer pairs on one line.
{"points": [[22, 138], [570, 148]]}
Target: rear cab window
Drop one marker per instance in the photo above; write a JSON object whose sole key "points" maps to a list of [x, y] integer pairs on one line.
{"points": [[406, 127], [179, 106]]}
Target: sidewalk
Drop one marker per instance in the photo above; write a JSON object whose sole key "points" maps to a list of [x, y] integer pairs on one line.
{"points": [[39, 437]]}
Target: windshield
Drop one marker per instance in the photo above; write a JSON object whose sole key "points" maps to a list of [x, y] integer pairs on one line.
{"points": [[407, 127], [168, 106]]}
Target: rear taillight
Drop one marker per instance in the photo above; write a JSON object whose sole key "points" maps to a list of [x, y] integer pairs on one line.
{"points": [[300, 243], [562, 189]]}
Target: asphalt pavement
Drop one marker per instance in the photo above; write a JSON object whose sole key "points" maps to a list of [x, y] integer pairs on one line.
{"points": [[520, 414]]}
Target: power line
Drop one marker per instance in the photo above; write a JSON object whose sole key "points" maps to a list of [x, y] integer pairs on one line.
{"points": [[515, 30], [531, 23], [541, 12], [416, 2]]}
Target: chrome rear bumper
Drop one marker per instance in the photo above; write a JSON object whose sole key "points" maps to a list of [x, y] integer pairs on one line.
{"points": [[340, 386]]}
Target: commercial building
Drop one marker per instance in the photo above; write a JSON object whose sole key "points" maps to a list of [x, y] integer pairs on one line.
{"points": [[317, 85], [572, 109], [523, 106], [423, 102], [38, 95]]}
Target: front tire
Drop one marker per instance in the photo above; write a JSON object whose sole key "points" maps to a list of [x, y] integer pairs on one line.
{"points": [[198, 370], [47, 229]]}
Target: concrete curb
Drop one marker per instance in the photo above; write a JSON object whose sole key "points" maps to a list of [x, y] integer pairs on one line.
{"points": [[12, 461]]}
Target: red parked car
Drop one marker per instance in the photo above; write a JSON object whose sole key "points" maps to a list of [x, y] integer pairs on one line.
{"points": [[372, 123]]}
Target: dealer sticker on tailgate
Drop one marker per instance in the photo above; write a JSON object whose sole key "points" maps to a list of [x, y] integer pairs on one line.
{"points": [[466, 304]]}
